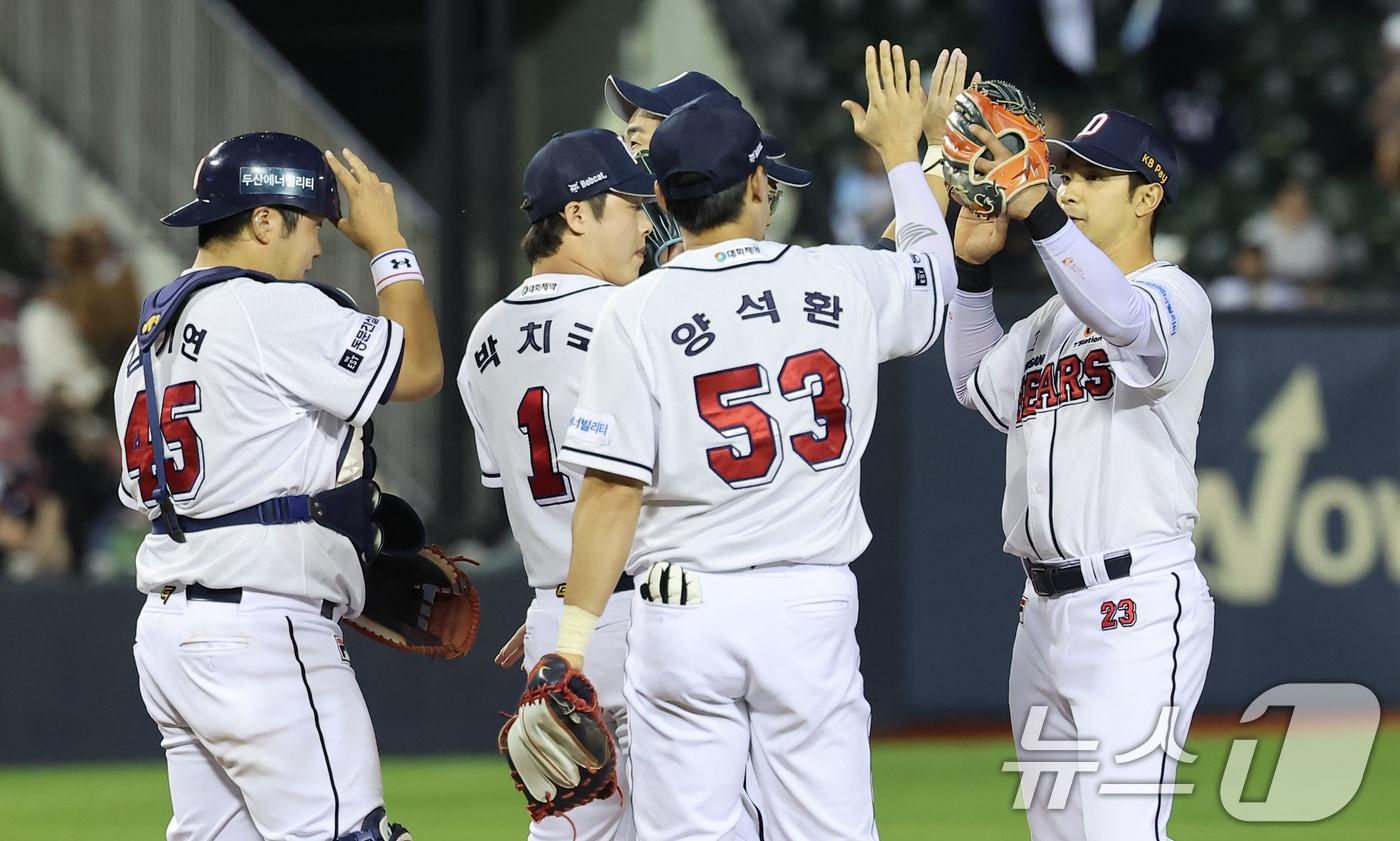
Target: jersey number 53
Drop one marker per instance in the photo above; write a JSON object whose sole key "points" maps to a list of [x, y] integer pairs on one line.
{"points": [[725, 402]]}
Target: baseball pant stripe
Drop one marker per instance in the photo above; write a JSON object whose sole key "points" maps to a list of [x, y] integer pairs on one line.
{"points": [[1176, 644], [316, 717], [758, 813]]}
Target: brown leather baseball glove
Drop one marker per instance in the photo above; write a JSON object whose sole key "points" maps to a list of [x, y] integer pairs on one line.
{"points": [[421, 602]]}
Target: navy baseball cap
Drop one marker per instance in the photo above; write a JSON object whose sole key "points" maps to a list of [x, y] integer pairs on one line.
{"points": [[1123, 143], [580, 165], [715, 137], [624, 97]]}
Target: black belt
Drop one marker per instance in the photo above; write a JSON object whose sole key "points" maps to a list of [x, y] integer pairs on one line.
{"points": [[623, 583], [234, 595], [1058, 579]]}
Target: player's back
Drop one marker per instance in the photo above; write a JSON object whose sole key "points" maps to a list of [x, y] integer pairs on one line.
{"points": [[260, 384], [519, 382], [758, 363]]}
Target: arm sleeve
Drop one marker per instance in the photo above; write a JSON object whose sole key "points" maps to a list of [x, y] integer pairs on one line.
{"points": [[321, 354], [1096, 290], [919, 224], [973, 330], [613, 427], [993, 387], [905, 291], [485, 456]]}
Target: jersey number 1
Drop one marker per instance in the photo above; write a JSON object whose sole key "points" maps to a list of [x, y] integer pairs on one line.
{"points": [[547, 484], [184, 452], [723, 399]]}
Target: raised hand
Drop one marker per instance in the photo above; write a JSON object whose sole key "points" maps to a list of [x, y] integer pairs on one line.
{"points": [[372, 222], [1025, 201], [512, 652], [975, 239], [892, 120], [948, 79]]}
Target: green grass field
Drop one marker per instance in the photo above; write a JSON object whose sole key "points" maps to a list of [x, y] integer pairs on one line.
{"points": [[925, 790]]}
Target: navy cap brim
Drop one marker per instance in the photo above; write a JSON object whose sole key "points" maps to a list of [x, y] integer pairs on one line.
{"points": [[1089, 153], [193, 214], [623, 98], [642, 185], [790, 176]]}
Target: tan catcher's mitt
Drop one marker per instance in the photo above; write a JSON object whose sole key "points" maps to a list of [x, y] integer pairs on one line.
{"points": [[560, 751], [1005, 111]]}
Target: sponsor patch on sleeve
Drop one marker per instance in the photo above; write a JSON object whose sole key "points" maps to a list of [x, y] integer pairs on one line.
{"points": [[921, 271], [357, 342], [591, 427], [351, 361]]}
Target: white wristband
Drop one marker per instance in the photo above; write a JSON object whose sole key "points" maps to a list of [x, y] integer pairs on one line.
{"points": [[575, 630], [394, 266], [933, 156]]}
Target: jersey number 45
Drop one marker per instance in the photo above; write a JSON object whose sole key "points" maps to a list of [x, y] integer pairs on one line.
{"points": [[184, 452], [725, 402]]}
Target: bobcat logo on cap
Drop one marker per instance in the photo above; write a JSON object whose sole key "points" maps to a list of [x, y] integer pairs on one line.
{"points": [[587, 182]]}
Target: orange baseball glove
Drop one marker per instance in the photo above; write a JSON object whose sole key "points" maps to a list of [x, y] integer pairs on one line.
{"points": [[974, 180]]}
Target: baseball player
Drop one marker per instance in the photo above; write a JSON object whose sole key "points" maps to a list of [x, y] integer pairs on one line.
{"points": [[241, 410], [1099, 392], [727, 399], [520, 380], [643, 109]]}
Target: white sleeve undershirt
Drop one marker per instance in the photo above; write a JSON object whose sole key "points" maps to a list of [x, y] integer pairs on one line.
{"points": [[1097, 291], [972, 331], [919, 225]]}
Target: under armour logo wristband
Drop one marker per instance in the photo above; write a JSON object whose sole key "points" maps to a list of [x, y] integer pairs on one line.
{"points": [[394, 266]]}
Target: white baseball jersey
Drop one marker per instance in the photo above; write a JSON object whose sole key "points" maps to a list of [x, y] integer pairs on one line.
{"points": [[1102, 446], [261, 384], [738, 383], [519, 381]]}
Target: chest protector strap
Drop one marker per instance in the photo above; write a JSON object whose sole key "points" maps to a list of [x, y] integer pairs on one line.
{"points": [[345, 509]]}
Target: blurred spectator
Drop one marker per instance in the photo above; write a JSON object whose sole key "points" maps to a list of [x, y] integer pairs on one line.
{"points": [[1298, 247], [1251, 287], [33, 541], [861, 203], [98, 289], [72, 334], [1384, 110]]}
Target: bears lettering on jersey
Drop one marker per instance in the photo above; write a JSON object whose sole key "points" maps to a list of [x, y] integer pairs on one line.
{"points": [[1071, 379]]}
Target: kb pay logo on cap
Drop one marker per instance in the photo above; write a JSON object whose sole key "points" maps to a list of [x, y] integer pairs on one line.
{"points": [[587, 182]]}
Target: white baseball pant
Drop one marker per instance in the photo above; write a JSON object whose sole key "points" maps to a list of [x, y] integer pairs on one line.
{"points": [[759, 679], [1103, 664], [266, 734]]}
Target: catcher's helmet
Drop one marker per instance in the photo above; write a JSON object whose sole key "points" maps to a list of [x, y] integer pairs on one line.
{"points": [[263, 168]]}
